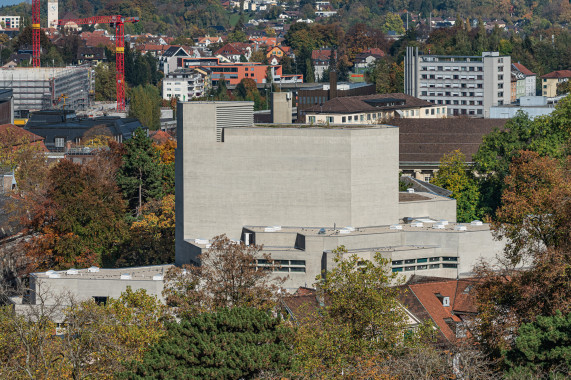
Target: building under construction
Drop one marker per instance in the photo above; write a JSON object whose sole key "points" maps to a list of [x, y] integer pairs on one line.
{"points": [[42, 88]]}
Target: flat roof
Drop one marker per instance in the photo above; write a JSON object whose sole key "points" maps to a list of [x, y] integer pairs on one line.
{"points": [[351, 231], [135, 273], [320, 126]]}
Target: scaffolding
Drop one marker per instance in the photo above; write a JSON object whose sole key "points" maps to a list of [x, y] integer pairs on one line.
{"points": [[39, 88]]}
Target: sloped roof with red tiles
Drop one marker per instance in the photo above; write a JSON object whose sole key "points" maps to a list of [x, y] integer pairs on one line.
{"points": [[430, 295], [322, 54], [465, 298], [559, 74], [374, 51], [160, 137], [12, 134], [94, 41], [522, 69]]}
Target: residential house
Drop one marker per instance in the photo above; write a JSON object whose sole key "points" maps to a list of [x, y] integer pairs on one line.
{"points": [[234, 51], [550, 81], [168, 60], [450, 305], [320, 59], [92, 55], [208, 40], [264, 40], [530, 79], [279, 52], [367, 58]]}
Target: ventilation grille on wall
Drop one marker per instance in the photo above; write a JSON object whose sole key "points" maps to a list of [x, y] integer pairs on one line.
{"points": [[232, 116]]}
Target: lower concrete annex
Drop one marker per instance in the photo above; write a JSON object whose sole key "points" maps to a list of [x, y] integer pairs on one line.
{"points": [[301, 191]]}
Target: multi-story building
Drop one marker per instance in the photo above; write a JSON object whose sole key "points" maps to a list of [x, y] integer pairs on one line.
{"points": [[550, 81], [234, 72], [320, 59], [467, 85], [186, 84], [9, 22]]}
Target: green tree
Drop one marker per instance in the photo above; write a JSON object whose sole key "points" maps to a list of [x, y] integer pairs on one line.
{"points": [[393, 22], [151, 237], [80, 219], [548, 136], [454, 175], [145, 104], [105, 82], [361, 318], [309, 76], [140, 175], [542, 347], [225, 344]]}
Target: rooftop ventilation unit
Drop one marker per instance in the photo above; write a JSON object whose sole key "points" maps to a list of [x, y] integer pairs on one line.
{"points": [[272, 228], [51, 271], [126, 276], [410, 190], [72, 271], [443, 222], [158, 277], [396, 227], [476, 223], [321, 231], [93, 269], [460, 228], [345, 231], [416, 224], [201, 241], [438, 226], [54, 275]]}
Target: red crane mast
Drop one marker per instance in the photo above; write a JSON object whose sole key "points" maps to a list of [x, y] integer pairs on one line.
{"points": [[119, 22], [36, 33]]}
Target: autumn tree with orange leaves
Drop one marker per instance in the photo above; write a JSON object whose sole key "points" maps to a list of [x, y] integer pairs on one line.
{"points": [[535, 220], [79, 221]]}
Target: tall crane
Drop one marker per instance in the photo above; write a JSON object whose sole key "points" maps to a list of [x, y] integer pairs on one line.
{"points": [[119, 22], [36, 33]]}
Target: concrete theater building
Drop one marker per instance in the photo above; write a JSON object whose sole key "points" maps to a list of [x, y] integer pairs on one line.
{"points": [[302, 191]]}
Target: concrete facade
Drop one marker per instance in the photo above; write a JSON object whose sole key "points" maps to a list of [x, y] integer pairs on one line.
{"points": [[302, 191], [467, 85], [97, 283], [266, 174]]}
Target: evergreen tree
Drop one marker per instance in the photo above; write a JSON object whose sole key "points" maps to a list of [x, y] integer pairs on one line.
{"points": [[227, 344], [140, 175], [309, 76], [145, 104]]}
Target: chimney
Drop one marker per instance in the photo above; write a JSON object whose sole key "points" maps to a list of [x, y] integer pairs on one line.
{"points": [[332, 84]]}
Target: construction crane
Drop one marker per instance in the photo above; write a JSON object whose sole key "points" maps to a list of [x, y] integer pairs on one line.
{"points": [[119, 22], [36, 33]]}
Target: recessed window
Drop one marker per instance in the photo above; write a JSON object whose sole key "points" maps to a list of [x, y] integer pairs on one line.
{"points": [[410, 261], [397, 262], [344, 119], [433, 259], [408, 269], [59, 142]]}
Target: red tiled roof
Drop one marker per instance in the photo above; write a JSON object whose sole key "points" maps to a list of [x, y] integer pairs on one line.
{"points": [[558, 74], [522, 69], [322, 54], [427, 295], [374, 51], [160, 137], [15, 135]]}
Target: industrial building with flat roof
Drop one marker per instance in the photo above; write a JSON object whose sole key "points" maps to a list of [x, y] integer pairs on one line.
{"points": [[40, 88]]}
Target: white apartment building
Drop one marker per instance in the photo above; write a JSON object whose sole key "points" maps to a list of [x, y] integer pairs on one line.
{"points": [[467, 85], [9, 22], [186, 84]]}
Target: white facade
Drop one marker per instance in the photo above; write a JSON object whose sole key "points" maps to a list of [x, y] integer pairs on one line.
{"points": [[10, 21], [53, 14], [467, 85], [184, 84]]}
